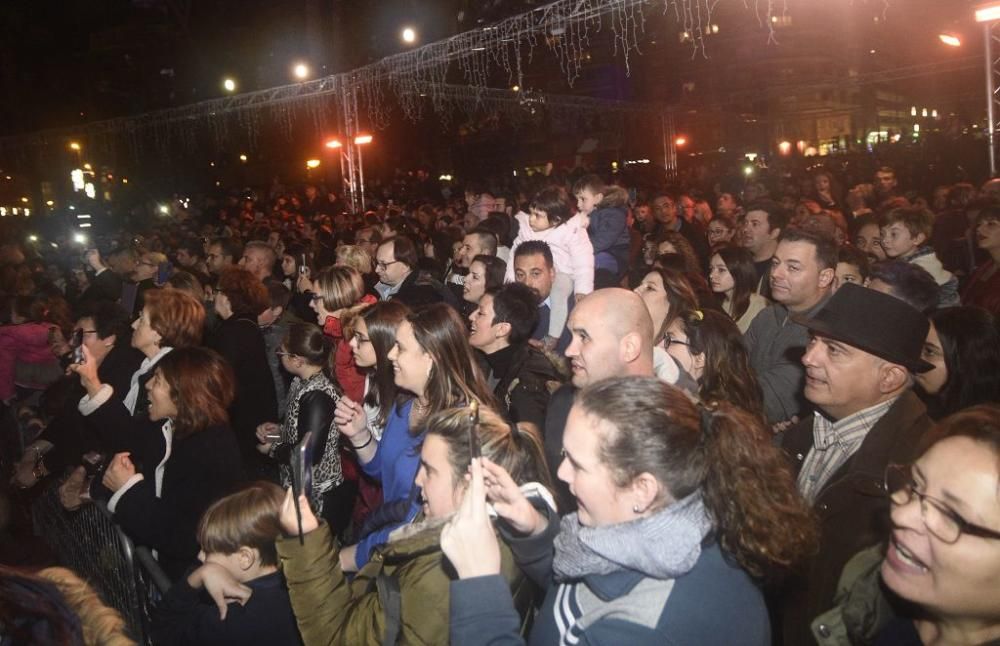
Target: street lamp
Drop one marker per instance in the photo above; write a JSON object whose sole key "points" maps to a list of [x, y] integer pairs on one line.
{"points": [[334, 143], [409, 35], [312, 163], [301, 71], [950, 39], [74, 146], [360, 141], [229, 84]]}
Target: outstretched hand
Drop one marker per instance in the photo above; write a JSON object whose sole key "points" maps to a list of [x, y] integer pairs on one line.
{"points": [[468, 539]]}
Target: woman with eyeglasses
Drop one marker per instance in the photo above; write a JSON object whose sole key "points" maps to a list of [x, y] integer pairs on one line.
{"points": [[335, 292], [708, 346], [103, 328], [667, 295], [942, 562], [433, 364], [312, 400]]}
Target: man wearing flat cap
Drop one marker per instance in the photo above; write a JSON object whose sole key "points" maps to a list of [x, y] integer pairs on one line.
{"points": [[863, 350]]}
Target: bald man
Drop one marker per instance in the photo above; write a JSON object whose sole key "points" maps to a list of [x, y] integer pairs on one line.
{"points": [[612, 336]]}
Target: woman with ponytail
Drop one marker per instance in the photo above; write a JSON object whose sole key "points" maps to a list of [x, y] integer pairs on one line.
{"points": [[312, 400], [683, 512]]}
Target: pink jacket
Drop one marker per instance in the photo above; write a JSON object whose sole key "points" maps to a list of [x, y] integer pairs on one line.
{"points": [[23, 343], [572, 251]]}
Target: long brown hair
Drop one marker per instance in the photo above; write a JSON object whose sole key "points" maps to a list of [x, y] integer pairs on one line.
{"points": [[455, 378], [202, 387], [760, 519], [728, 376], [382, 320]]}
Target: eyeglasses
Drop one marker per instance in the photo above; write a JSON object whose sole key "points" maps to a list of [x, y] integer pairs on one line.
{"points": [[360, 338], [939, 519], [668, 341], [316, 297], [384, 265]]}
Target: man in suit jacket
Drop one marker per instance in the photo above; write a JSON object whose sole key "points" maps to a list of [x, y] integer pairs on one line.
{"points": [[864, 348], [534, 267]]}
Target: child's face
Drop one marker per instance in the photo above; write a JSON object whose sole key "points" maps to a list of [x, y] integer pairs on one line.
{"points": [[539, 220], [587, 201], [898, 241]]}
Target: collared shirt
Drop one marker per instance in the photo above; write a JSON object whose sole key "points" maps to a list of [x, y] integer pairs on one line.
{"points": [[834, 442], [132, 396]]}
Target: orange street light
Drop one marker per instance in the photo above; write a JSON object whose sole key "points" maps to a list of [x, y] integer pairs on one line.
{"points": [[361, 140], [312, 163], [334, 143], [950, 39]]}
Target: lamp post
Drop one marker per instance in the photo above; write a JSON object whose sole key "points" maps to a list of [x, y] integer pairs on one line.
{"points": [[359, 141], [989, 15]]}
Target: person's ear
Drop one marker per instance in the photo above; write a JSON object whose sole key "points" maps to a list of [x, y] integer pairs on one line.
{"points": [[892, 377], [246, 557], [110, 341], [644, 491], [630, 347], [920, 239], [826, 277], [502, 329], [698, 360]]}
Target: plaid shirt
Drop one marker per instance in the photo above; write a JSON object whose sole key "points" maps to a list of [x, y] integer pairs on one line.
{"points": [[833, 444]]}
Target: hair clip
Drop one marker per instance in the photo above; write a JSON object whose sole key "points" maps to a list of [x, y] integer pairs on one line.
{"points": [[698, 315]]}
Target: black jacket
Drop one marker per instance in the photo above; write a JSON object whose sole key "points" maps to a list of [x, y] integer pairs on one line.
{"points": [[240, 342], [68, 431], [555, 427], [105, 286], [525, 380], [853, 508], [420, 289], [201, 468], [187, 617]]}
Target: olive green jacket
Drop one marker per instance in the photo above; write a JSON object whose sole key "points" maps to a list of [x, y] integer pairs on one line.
{"points": [[862, 608], [409, 573]]}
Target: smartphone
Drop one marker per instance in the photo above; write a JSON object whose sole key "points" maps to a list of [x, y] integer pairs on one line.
{"points": [[163, 272], [302, 463], [475, 449], [303, 267], [78, 354], [274, 437]]}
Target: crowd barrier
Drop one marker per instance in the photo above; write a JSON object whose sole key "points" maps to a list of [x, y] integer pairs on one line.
{"points": [[90, 543]]}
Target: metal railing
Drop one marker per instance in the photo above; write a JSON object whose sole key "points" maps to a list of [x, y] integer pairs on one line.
{"points": [[90, 543]]}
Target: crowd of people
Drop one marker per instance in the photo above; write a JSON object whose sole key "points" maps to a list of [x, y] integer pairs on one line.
{"points": [[576, 412]]}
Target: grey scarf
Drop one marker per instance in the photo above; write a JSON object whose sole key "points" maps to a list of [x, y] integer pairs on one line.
{"points": [[663, 546]]}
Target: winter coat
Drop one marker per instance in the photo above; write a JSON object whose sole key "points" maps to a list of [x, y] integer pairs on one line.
{"points": [[403, 590], [852, 506], [572, 251]]}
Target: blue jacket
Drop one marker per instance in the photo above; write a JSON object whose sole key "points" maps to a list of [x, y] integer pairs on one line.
{"points": [[715, 603], [395, 465], [609, 236]]}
